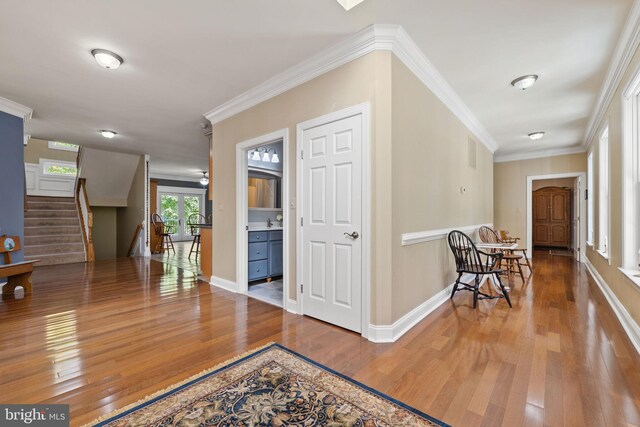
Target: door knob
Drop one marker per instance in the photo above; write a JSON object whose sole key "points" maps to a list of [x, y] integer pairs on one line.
{"points": [[353, 235]]}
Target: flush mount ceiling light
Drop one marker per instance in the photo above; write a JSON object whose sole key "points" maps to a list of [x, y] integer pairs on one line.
{"points": [[205, 179], [349, 4], [107, 59], [524, 82], [109, 134], [536, 135]]}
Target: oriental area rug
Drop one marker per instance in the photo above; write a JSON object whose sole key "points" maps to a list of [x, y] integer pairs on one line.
{"points": [[270, 386]]}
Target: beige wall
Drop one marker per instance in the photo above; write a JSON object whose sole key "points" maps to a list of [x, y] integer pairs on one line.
{"points": [[416, 147], [351, 84], [37, 149], [129, 217], [558, 182], [430, 164], [510, 188], [621, 286], [104, 232]]}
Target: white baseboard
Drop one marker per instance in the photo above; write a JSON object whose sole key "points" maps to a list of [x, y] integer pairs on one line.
{"points": [[628, 324], [391, 333], [292, 306], [225, 284]]}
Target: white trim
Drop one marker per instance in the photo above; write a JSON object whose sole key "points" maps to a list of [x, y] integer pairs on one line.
{"points": [[628, 324], [583, 208], [225, 284], [428, 236], [375, 37], [630, 171], [625, 50], [147, 208], [292, 306], [15, 109], [632, 275], [604, 140], [605, 256], [27, 137], [391, 333], [182, 190], [153, 175], [242, 212], [551, 152], [365, 111]]}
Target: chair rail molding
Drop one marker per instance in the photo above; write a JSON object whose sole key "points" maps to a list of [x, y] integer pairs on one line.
{"points": [[430, 235], [625, 49], [628, 324], [10, 107], [384, 37]]}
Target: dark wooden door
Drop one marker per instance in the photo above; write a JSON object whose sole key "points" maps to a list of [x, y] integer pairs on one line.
{"points": [[551, 217]]}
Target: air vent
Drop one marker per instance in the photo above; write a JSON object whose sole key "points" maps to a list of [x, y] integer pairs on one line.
{"points": [[471, 153]]}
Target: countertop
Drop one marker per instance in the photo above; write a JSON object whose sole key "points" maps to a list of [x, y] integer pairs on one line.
{"points": [[265, 228]]}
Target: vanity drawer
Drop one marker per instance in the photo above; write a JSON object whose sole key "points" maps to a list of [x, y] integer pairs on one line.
{"points": [[258, 236], [258, 251], [258, 269], [275, 235]]}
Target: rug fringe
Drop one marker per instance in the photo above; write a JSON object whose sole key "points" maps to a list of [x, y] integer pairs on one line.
{"points": [[173, 386]]}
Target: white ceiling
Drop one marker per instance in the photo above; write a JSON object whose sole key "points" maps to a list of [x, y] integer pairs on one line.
{"points": [[185, 58]]}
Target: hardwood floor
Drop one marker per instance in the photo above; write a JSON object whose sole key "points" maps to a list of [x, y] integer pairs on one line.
{"points": [[101, 336]]}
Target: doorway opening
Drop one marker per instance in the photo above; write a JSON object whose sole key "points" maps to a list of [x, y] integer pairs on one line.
{"points": [[554, 214], [262, 240], [181, 208]]}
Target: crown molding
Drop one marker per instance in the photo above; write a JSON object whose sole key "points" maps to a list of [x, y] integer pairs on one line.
{"points": [[375, 37], [551, 152], [625, 50], [15, 109]]}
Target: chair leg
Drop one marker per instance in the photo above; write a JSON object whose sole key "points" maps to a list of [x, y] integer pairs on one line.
{"points": [[171, 241], [504, 291], [520, 270], [455, 285], [476, 290], [192, 244]]}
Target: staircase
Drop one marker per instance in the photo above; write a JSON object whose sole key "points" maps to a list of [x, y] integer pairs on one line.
{"points": [[52, 231]]}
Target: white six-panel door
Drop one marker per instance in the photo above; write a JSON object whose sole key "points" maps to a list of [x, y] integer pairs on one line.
{"points": [[332, 222]]}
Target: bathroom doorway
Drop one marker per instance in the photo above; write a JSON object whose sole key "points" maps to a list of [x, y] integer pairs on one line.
{"points": [[262, 218]]}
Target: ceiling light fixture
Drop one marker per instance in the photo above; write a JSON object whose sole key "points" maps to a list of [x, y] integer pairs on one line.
{"points": [[109, 134], [205, 179], [349, 4], [107, 59], [524, 82], [536, 135]]}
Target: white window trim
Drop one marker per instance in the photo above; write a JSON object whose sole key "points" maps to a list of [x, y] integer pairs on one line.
{"points": [[632, 275], [631, 178], [44, 163], [606, 254], [55, 145], [590, 201]]}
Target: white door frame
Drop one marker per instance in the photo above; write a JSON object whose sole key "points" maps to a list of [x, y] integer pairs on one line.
{"points": [[365, 111], [181, 190], [583, 208], [242, 212]]}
